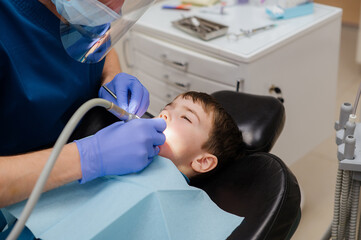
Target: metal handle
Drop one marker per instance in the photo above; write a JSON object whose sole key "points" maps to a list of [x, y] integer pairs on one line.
{"points": [[183, 66], [129, 65], [184, 86]]}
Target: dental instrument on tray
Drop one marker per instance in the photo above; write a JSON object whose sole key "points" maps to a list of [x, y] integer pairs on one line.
{"points": [[200, 27], [59, 144]]}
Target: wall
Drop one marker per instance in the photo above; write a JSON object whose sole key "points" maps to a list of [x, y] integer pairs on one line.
{"points": [[358, 53], [351, 9]]}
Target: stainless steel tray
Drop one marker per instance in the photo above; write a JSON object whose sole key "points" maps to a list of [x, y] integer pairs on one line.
{"points": [[201, 27]]}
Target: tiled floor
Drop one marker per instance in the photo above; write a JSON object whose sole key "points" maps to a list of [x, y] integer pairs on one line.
{"points": [[316, 172]]}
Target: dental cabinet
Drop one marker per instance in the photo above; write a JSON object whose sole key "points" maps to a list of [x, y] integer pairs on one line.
{"points": [[296, 61]]}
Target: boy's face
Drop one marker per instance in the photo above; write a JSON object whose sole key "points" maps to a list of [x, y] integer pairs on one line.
{"points": [[188, 128]]}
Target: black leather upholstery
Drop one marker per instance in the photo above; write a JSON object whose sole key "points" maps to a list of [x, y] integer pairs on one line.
{"points": [[259, 118], [259, 186]]}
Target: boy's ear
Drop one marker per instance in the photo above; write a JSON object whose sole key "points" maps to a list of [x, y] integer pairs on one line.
{"points": [[204, 163]]}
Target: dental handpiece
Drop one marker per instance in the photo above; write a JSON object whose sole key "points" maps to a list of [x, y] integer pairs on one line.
{"points": [[118, 111]]}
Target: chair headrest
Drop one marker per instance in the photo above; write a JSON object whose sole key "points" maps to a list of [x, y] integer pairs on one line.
{"points": [[259, 118]]}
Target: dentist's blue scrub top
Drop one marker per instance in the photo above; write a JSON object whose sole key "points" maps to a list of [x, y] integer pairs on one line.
{"points": [[40, 85]]}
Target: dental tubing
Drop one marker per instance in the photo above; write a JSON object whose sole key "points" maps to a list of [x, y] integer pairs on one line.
{"points": [[61, 141]]}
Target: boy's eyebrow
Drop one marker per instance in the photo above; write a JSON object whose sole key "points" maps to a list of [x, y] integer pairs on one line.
{"points": [[190, 110]]}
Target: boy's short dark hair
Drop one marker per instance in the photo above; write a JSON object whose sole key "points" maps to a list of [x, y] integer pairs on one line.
{"points": [[225, 139]]}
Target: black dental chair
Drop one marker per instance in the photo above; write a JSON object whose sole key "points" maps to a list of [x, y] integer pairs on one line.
{"points": [[259, 186]]}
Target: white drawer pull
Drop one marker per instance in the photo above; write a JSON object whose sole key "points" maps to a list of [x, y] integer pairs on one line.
{"points": [[183, 66]]}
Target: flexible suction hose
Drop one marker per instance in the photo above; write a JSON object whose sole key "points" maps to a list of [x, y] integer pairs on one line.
{"points": [[336, 210], [355, 192], [344, 200], [62, 140]]}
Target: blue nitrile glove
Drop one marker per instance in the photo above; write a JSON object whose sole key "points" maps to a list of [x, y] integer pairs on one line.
{"points": [[132, 96], [120, 148]]}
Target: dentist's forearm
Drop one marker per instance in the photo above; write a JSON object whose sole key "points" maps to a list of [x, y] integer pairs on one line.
{"points": [[111, 67], [18, 174]]}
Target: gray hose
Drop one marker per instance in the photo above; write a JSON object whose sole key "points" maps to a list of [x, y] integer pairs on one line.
{"points": [[359, 229], [348, 208], [344, 200], [336, 211], [40, 183], [354, 209]]}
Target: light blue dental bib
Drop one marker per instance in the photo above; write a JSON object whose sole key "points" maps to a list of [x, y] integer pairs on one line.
{"points": [[154, 204]]}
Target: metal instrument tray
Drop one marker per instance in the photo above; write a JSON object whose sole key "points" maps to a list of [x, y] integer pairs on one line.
{"points": [[201, 27]]}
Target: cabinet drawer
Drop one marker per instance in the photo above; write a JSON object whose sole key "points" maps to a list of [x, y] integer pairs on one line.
{"points": [[161, 89], [175, 79], [160, 93], [186, 60]]}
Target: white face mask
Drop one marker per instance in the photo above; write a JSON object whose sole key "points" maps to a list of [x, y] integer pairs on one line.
{"points": [[85, 12]]}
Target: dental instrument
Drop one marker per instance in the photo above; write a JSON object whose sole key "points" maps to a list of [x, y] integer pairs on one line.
{"points": [[356, 100], [250, 32], [110, 92], [119, 112], [59, 144]]}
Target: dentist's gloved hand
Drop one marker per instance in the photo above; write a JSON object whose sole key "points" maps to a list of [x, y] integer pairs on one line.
{"points": [[120, 148], [132, 96]]}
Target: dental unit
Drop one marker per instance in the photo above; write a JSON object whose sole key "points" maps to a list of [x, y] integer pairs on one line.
{"points": [[346, 201]]}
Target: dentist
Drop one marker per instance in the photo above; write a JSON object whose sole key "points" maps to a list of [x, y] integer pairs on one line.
{"points": [[54, 56]]}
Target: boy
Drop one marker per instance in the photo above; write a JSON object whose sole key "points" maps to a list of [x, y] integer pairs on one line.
{"points": [[200, 135]]}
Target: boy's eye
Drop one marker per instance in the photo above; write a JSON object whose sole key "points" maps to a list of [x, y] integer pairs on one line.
{"points": [[186, 119]]}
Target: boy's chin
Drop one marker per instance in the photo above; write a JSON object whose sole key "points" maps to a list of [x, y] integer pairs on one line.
{"points": [[164, 151]]}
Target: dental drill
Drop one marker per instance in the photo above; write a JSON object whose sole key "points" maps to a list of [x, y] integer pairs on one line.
{"points": [[59, 144], [119, 112], [347, 191]]}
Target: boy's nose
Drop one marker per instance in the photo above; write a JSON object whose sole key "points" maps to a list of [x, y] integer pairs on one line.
{"points": [[164, 116]]}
